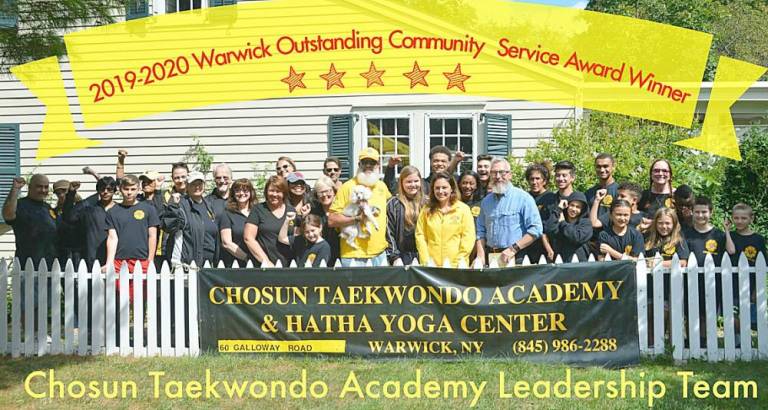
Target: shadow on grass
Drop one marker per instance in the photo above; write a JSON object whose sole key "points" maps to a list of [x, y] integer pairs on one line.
{"points": [[13, 371]]}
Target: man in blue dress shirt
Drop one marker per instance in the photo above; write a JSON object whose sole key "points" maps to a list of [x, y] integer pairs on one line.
{"points": [[509, 219]]}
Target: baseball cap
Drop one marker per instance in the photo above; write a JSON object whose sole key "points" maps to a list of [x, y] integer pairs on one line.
{"points": [[150, 174], [294, 177], [369, 153], [195, 176], [61, 184]]}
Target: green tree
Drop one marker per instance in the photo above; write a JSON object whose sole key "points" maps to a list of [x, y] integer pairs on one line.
{"points": [[40, 24], [738, 26], [746, 181]]}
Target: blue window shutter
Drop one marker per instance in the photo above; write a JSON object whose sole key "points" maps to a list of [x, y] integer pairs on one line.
{"points": [[8, 19], [340, 144], [216, 3], [498, 134], [9, 158], [136, 9]]}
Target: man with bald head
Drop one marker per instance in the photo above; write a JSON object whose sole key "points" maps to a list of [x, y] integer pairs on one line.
{"points": [[217, 200], [33, 220]]}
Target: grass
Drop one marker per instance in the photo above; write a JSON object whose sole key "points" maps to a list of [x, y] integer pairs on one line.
{"points": [[335, 371]]}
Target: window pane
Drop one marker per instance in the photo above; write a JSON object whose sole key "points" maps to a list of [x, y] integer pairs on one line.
{"points": [[466, 146], [465, 125], [387, 146], [435, 126], [451, 126], [435, 141], [451, 142], [402, 126], [374, 127], [388, 126], [375, 144]]}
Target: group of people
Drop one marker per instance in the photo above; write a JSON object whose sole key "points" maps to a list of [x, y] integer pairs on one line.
{"points": [[440, 218]]}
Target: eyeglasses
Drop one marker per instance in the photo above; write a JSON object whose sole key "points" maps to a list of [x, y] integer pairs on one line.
{"points": [[660, 171], [499, 173], [284, 166], [327, 192], [332, 170]]}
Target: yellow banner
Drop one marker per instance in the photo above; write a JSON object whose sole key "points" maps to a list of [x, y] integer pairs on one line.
{"points": [[282, 346], [296, 48]]}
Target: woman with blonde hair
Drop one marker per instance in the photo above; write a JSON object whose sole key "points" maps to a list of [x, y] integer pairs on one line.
{"points": [[323, 195], [402, 216], [665, 238], [445, 230]]}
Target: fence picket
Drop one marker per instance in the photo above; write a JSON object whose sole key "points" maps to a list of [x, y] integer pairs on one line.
{"points": [[55, 308], [97, 312], [728, 325], [123, 296], [694, 325], [138, 311], [152, 302], [3, 307], [42, 308], [745, 323], [110, 318], [29, 308], [178, 298], [676, 309], [760, 302], [710, 315], [69, 308], [642, 305], [194, 340], [658, 305], [82, 307], [16, 308], [165, 311]]}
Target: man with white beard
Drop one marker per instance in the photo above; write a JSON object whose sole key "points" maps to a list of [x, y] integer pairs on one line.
{"points": [[217, 200], [509, 219], [374, 245]]}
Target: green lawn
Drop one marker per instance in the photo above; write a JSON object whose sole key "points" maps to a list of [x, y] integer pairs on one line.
{"points": [[334, 373]]}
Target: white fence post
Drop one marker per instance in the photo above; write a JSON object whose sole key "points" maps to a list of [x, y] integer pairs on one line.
{"points": [[710, 297], [745, 324], [152, 310], [642, 305], [124, 315], [82, 306], [194, 340], [16, 308], [42, 308], [694, 325], [110, 318], [179, 312], [138, 311], [55, 308], [658, 305], [676, 309], [29, 308], [3, 307], [760, 302], [98, 323], [729, 341], [165, 311]]}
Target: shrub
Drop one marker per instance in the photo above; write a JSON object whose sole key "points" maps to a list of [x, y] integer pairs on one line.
{"points": [[746, 181]]}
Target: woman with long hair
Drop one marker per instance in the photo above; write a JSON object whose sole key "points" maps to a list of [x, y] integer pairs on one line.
{"points": [[402, 216], [284, 166], [264, 223], [659, 193], [446, 228], [241, 199], [665, 237]]}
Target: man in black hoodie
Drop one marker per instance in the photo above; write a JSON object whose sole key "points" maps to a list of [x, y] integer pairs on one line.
{"points": [[570, 230]]}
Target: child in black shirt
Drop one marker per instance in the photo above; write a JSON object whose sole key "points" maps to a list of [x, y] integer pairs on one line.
{"points": [[309, 247], [665, 238], [704, 239], [570, 233], [620, 239], [743, 240]]}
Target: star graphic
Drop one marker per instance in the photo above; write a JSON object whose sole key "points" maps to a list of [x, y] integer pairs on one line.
{"points": [[294, 80], [333, 77], [417, 75], [373, 76], [456, 78]]}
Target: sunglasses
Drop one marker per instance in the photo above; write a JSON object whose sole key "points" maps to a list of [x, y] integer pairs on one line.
{"points": [[332, 170], [284, 166]]}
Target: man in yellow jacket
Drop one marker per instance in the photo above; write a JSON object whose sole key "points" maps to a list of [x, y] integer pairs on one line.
{"points": [[446, 228]]}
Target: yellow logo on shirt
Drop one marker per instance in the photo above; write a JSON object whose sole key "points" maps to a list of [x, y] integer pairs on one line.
{"points": [[750, 252], [668, 203], [311, 258], [668, 249], [607, 200], [52, 213], [628, 249], [138, 214], [711, 246], [476, 210]]}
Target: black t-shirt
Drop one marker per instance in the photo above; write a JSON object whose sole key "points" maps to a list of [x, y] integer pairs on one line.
{"points": [[314, 252], [605, 204], [634, 220], [235, 221], [217, 204], [668, 250], [211, 230], [132, 224], [544, 202], [35, 231], [93, 218], [700, 244], [750, 245], [269, 228], [631, 243], [331, 235], [650, 203]]}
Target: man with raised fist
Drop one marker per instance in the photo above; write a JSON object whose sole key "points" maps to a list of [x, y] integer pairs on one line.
{"points": [[33, 220]]}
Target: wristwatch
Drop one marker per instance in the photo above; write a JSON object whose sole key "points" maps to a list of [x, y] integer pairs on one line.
{"points": [[515, 248]]}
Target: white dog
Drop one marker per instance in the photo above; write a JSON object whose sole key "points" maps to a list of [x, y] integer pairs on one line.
{"points": [[359, 206]]}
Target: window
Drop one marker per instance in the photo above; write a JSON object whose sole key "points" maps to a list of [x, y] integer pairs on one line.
{"points": [[389, 136], [455, 133], [9, 158], [172, 6], [8, 17]]}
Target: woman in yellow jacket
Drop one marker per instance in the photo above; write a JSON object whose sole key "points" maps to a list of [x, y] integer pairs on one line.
{"points": [[446, 227]]}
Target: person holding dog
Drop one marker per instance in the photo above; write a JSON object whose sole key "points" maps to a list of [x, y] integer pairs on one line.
{"points": [[370, 244], [445, 230]]}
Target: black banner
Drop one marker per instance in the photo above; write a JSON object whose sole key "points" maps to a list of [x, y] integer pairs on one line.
{"points": [[582, 313]]}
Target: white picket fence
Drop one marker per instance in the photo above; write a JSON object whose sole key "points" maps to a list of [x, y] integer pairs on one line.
{"points": [[155, 332]]}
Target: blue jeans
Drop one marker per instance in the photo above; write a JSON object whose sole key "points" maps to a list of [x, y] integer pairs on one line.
{"points": [[378, 260]]}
